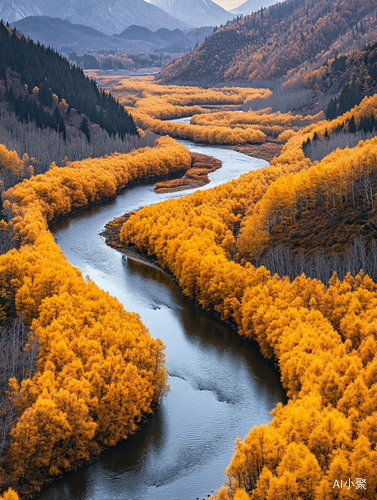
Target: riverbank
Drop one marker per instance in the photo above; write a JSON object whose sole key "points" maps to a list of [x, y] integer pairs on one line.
{"points": [[266, 151], [85, 463], [196, 176], [111, 234], [220, 385], [144, 180]]}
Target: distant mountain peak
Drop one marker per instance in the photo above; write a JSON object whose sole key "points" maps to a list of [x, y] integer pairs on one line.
{"points": [[65, 36], [251, 6], [108, 16], [161, 37], [13, 10], [195, 12]]}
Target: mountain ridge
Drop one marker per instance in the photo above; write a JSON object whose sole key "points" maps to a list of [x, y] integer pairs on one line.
{"points": [[14, 10], [161, 37], [196, 13], [111, 16], [251, 6], [273, 42], [108, 16], [192, 39], [65, 36]]}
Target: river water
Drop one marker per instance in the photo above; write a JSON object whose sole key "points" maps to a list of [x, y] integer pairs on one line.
{"points": [[220, 384]]}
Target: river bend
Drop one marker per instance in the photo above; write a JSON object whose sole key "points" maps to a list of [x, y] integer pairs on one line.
{"points": [[221, 386]]}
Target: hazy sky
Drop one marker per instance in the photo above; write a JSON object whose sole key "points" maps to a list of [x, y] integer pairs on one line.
{"points": [[229, 4]]}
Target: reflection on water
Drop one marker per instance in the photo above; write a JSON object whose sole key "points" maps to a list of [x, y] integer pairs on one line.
{"points": [[220, 384]]}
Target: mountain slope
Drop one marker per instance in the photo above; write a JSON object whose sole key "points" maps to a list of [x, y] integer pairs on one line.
{"points": [[41, 86], [353, 76], [191, 40], [251, 6], [110, 16], [65, 36], [13, 10], [273, 41], [196, 12]]}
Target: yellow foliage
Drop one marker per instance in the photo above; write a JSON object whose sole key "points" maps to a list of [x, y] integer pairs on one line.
{"points": [[286, 135], [323, 338], [153, 103], [262, 118], [9, 161], [241, 495], [99, 371], [9, 495], [97, 364], [44, 198], [327, 185]]}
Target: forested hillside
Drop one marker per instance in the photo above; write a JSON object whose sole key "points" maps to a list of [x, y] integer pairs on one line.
{"points": [[321, 334], [270, 43], [353, 74], [69, 406], [305, 222], [51, 112], [41, 86]]}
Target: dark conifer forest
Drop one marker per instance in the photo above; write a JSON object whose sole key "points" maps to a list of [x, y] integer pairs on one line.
{"points": [[360, 70], [35, 77]]}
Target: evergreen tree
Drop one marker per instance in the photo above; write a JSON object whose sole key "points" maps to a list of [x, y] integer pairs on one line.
{"points": [[3, 303], [62, 128], [352, 125], [330, 111], [45, 95], [84, 127]]}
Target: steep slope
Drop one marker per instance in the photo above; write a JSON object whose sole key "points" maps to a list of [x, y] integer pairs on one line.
{"points": [[65, 36], [110, 16], [41, 86], [196, 12], [273, 41], [352, 75], [251, 6], [13, 10]]}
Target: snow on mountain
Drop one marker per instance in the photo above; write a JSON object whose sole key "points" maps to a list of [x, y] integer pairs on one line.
{"points": [[195, 12], [13, 10], [251, 6]]}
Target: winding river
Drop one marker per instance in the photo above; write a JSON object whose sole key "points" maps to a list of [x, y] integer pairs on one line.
{"points": [[221, 386]]}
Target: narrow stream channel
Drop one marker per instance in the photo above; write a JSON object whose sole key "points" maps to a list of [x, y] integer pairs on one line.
{"points": [[220, 384]]}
